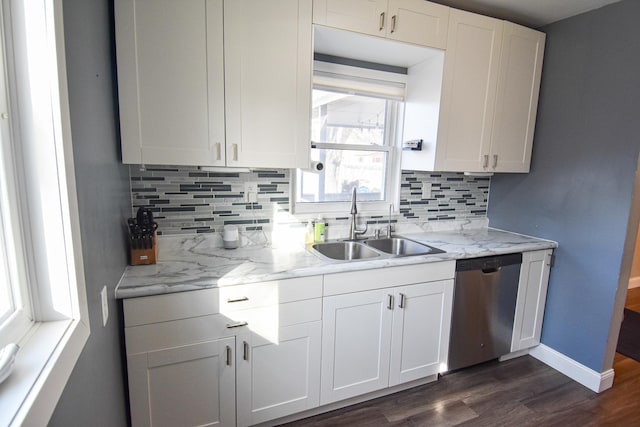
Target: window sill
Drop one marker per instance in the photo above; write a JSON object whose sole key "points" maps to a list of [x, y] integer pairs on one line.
{"points": [[43, 366]]}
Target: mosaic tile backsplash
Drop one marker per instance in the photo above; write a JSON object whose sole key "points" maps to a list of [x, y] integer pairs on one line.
{"points": [[186, 200]]}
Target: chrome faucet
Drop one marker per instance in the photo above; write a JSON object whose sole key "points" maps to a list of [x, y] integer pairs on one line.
{"points": [[389, 226], [353, 230]]}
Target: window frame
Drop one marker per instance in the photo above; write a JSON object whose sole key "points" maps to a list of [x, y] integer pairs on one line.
{"points": [[45, 222], [366, 82]]}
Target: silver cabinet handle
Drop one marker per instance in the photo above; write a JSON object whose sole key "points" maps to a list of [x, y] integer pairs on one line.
{"points": [[236, 325], [402, 298], [393, 24], [232, 300], [234, 149], [228, 356], [486, 161], [382, 21], [390, 302], [245, 350], [495, 161]]}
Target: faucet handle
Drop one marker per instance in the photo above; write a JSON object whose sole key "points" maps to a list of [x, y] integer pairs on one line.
{"points": [[389, 230]]}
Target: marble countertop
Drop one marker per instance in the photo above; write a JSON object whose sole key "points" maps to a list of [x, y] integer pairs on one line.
{"points": [[194, 262]]}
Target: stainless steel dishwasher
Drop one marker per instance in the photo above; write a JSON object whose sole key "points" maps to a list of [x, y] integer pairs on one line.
{"points": [[484, 302]]}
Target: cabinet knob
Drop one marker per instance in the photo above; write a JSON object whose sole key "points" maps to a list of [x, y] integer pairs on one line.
{"points": [[495, 161], [393, 24], [486, 161], [390, 302], [381, 21], [245, 350]]}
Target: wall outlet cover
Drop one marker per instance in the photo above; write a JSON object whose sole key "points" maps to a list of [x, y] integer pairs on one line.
{"points": [[105, 306], [251, 191]]}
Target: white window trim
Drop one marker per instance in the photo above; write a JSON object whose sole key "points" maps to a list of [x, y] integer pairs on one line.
{"points": [[52, 346], [369, 82]]}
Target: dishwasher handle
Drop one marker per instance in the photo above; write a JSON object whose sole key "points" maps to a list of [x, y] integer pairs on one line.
{"points": [[488, 263]]}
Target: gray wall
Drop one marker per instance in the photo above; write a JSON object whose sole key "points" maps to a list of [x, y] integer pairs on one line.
{"points": [[95, 393], [579, 191]]}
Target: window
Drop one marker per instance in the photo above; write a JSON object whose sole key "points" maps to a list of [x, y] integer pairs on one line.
{"points": [[354, 128], [42, 294]]}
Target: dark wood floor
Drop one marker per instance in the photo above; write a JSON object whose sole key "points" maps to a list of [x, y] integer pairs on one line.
{"points": [[519, 392], [633, 299]]}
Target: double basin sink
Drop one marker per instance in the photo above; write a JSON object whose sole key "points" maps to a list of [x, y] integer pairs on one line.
{"points": [[350, 250]]}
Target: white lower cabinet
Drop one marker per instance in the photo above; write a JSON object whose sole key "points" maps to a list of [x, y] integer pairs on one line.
{"points": [[532, 295], [237, 355], [420, 335], [356, 344], [384, 337], [249, 354], [192, 385], [280, 377]]}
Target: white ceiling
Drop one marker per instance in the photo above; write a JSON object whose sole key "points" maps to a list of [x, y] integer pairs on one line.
{"points": [[533, 13]]}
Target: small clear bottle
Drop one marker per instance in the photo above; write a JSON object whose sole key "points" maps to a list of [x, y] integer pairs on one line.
{"points": [[308, 233]]}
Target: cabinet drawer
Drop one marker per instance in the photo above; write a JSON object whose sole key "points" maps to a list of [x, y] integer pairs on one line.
{"points": [[163, 308], [262, 294], [267, 321], [176, 333], [364, 280]]}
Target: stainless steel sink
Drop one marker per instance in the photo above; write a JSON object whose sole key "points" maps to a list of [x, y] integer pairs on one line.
{"points": [[399, 246], [345, 250]]}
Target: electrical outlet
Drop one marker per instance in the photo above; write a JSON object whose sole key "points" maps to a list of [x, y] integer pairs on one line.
{"points": [[251, 192], [426, 190], [105, 306]]}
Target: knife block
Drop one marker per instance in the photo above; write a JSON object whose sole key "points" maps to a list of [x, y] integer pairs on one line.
{"points": [[145, 256]]}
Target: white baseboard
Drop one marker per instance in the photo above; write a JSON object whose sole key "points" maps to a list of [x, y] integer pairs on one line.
{"points": [[634, 282], [589, 378]]}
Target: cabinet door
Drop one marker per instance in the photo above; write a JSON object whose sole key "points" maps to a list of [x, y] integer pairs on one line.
{"points": [[419, 22], [278, 377], [268, 62], [361, 16], [356, 341], [192, 385], [517, 98], [421, 325], [468, 92], [532, 296], [170, 81]]}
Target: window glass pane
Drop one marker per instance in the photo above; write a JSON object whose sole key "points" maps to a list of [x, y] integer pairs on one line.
{"points": [[343, 170], [6, 298], [341, 118]]}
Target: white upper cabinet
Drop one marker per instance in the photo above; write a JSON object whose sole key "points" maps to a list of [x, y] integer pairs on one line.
{"points": [[268, 65], [483, 118], [517, 98], [418, 21], [181, 64], [468, 92], [170, 80], [360, 16], [412, 21]]}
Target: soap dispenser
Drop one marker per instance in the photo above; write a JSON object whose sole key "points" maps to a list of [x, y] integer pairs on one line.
{"points": [[319, 229]]}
